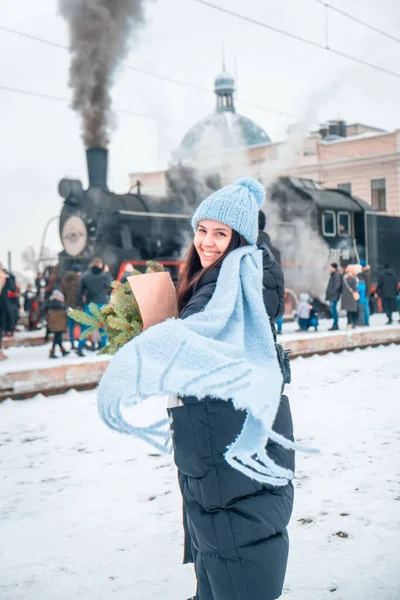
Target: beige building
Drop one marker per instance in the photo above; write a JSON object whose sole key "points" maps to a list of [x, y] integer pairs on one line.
{"points": [[366, 163], [360, 159]]}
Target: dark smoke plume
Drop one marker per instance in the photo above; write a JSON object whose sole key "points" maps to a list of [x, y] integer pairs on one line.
{"points": [[99, 40], [187, 187]]}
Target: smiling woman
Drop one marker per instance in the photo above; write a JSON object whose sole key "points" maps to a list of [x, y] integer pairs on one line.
{"points": [[252, 565], [231, 426]]}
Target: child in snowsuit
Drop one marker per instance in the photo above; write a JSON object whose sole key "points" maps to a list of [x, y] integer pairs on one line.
{"points": [[313, 319], [57, 321], [303, 312]]}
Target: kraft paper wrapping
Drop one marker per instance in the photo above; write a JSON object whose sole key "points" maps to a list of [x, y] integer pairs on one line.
{"points": [[156, 297]]}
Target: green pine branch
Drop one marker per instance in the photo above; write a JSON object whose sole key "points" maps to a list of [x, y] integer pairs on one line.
{"points": [[81, 317], [85, 334], [154, 267], [116, 323], [96, 312], [120, 318]]}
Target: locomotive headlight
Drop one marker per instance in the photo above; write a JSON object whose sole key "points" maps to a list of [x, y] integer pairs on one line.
{"points": [[68, 187], [74, 235]]}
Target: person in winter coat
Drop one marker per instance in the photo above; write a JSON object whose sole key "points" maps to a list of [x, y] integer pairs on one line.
{"points": [[236, 505], [303, 311], [273, 282], [333, 292], [350, 295], [29, 296], [30, 306], [128, 270], [263, 237], [94, 287], [313, 320], [387, 287], [57, 321], [235, 528], [363, 302], [69, 287], [12, 304], [3, 307], [366, 276]]}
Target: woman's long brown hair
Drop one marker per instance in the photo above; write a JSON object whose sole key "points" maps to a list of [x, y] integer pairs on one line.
{"points": [[192, 270]]}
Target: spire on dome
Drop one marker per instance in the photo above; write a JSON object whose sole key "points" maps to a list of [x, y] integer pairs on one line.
{"points": [[224, 87]]}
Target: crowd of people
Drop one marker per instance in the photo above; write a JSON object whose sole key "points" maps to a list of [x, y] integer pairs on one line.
{"points": [[78, 291], [352, 286], [349, 289], [44, 304]]}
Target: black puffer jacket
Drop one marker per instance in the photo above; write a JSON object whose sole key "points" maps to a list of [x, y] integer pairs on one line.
{"points": [[94, 287], [263, 237], [334, 289], [235, 528], [387, 283]]}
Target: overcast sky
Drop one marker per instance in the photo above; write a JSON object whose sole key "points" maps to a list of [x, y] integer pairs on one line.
{"points": [[40, 138]]}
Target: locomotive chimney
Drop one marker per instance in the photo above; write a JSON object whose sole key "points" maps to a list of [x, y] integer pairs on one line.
{"points": [[97, 159]]}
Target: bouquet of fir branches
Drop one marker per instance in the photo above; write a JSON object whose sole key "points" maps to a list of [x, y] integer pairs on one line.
{"points": [[125, 316]]}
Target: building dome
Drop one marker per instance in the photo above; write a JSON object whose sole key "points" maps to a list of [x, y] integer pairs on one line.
{"points": [[224, 129], [224, 82]]}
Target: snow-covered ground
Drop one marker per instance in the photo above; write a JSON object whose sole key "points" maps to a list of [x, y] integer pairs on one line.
{"points": [[36, 357], [87, 513]]}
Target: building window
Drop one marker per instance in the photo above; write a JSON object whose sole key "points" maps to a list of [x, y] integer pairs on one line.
{"points": [[346, 187], [344, 227], [328, 223], [378, 194]]}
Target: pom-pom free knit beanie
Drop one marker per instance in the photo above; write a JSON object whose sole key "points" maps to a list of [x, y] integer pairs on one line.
{"points": [[236, 205]]}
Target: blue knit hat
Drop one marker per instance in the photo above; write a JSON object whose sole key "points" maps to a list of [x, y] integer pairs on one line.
{"points": [[236, 205]]}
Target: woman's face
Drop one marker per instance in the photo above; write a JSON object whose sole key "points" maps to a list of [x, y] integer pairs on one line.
{"points": [[211, 240]]}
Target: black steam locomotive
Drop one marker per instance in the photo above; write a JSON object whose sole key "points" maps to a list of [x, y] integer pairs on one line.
{"points": [[97, 222]]}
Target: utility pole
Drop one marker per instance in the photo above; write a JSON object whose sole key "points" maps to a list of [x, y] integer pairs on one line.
{"points": [[40, 257]]}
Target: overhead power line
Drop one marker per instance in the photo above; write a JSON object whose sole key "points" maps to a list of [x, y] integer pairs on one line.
{"points": [[123, 111], [8, 88], [35, 38], [360, 21], [296, 37], [145, 72], [259, 23]]}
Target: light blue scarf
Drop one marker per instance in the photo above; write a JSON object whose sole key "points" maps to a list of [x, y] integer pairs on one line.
{"points": [[226, 351]]}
